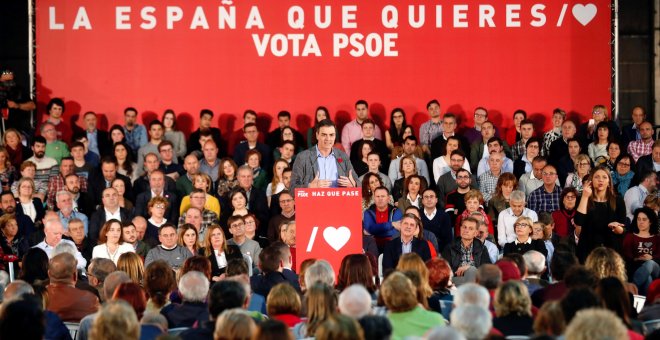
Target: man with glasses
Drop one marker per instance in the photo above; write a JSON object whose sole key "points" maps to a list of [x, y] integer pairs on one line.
{"points": [[168, 250], [248, 247], [288, 213], [439, 144], [435, 220], [635, 196], [526, 132], [546, 197], [488, 180], [455, 199], [136, 134], [448, 182], [405, 243], [474, 134], [167, 163], [587, 131], [198, 201], [157, 188], [55, 148], [479, 148], [644, 145]]}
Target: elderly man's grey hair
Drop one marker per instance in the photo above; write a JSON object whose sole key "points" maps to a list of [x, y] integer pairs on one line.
{"points": [[517, 196], [472, 294], [320, 271], [355, 301], [65, 247], [445, 333], [61, 193], [473, 321], [194, 286], [535, 262]]}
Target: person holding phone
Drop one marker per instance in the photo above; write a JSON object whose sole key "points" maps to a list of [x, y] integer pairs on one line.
{"points": [[601, 215]]}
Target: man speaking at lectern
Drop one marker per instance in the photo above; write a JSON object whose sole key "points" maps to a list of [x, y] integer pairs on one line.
{"points": [[323, 166]]}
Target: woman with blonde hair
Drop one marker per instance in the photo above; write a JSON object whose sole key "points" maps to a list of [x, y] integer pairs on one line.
{"points": [[116, 320], [582, 167], [321, 305], [27, 203], [339, 327], [524, 242], [131, 264], [7, 170], [234, 324], [283, 304], [276, 185], [413, 262], [218, 251], [204, 182], [513, 309], [605, 262]]}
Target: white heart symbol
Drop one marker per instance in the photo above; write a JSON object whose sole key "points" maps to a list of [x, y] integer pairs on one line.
{"points": [[336, 237], [584, 13]]}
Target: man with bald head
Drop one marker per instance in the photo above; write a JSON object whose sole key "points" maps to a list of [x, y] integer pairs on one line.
{"points": [[64, 299], [54, 230], [184, 184], [109, 210]]}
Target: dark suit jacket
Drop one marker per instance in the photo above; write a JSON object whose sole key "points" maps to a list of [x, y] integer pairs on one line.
{"points": [[306, 167], [558, 149], [172, 212], [258, 204], [392, 251], [452, 254], [98, 219], [103, 140], [85, 204], [628, 134], [233, 252], [38, 206], [266, 155], [447, 183], [142, 184], [193, 141], [96, 185]]}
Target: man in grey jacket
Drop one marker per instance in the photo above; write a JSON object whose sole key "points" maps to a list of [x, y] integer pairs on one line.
{"points": [[324, 166], [168, 250]]}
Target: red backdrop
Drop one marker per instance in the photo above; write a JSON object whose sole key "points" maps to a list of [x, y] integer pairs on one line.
{"points": [[91, 59]]}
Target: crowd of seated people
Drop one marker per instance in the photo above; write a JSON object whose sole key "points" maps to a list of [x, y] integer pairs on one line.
{"points": [[468, 231]]}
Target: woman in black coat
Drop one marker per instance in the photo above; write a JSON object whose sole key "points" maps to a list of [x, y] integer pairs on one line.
{"points": [[218, 251], [524, 242]]}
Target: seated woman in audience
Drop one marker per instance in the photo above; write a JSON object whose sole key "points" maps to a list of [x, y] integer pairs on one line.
{"points": [[116, 320], [156, 208], [440, 275], [407, 168], [29, 205], [513, 309], [623, 175], [111, 245], [276, 185], [35, 267], [606, 262], [407, 317], [412, 262], [28, 170], [253, 160], [321, 304], [474, 201], [235, 324], [359, 161], [370, 182], [17, 152], [251, 226], [523, 164], [218, 251], [582, 168], [320, 114], [227, 180], [120, 186], [159, 282], [600, 213], [204, 182], [613, 152], [12, 243], [126, 167], [506, 183], [614, 297], [238, 200], [398, 150], [394, 134], [441, 164], [550, 320], [412, 193], [283, 304], [507, 218], [356, 269], [173, 135], [287, 135], [132, 264], [563, 218], [543, 232], [116, 134], [132, 293], [7, 170], [188, 238], [641, 249], [523, 241], [598, 148]]}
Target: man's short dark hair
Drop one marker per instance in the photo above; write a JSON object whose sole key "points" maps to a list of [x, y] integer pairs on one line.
{"points": [[459, 171], [109, 160], [155, 122], [573, 140], [382, 188], [527, 122], [67, 158], [534, 140], [249, 125], [285, 142], [539, 159], [165, 142], [325, 123], [89, 113], [130, 108], [6, 192], [77, 145], [411, 137], [457, 152], [205, 112], [55, 101], [284, 114], [166, 225], [495, 139], [205, 133], [431, 102], [225, 294], [373, 153], [561, 262], [362, 101], [249, 112], [269, 258], [368, 121], [38, 139]]}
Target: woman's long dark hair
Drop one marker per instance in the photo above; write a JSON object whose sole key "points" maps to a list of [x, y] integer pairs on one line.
{"points": [[396, 135]]}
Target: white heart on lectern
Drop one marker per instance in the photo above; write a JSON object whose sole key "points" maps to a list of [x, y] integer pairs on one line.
{"points": [[336, 237], [584, 13]]}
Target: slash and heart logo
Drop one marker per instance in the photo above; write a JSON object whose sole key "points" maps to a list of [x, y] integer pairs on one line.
{"points": [[584, 13], [336, 237]]}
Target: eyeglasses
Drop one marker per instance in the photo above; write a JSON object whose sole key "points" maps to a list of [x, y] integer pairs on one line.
{"points": [[480, 115], [570, 197], [521, 225], [624, 164], [583, 164], [159, 206], [549, 173], [237, 225], [533, 146], [597, 112]]}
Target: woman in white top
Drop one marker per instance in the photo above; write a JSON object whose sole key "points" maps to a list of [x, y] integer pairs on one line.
{"points": [[441, 164], [111, 245], [276, 185], [598, 148], [31, 206], [173, 135], [218, 251]]}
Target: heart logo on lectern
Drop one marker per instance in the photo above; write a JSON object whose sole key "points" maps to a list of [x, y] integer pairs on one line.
{"points": [[337, 237]]}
